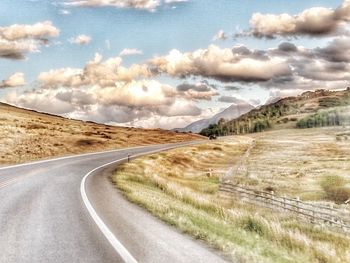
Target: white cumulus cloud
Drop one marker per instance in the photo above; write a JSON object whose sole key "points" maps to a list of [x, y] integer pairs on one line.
{"points": [[313, 22], [130, 52], [17, 40], [15, 80], [80, 40]]}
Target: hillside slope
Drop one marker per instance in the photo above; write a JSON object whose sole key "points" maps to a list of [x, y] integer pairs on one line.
{"points": [[232, 112], [28, 135], [283, 113]]}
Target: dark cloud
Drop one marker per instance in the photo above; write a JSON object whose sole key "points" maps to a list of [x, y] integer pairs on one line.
{"points": [[199, 91], [230, 99], [230, 87], [241, 52], [287, 47], [336, 51], [201, 87]]}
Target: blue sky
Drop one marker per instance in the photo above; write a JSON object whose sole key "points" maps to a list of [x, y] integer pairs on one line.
{"points": [[186, 26]]}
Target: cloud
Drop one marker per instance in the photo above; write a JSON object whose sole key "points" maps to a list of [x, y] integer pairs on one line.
{"points": [[285, 67], [227, 65], [36, 31], [317, 21], [108, 44], [15, 80], [180, 107], [230, 99], [232, 88], [130, 52], [220, 35], [40, 100], [319, 67], [81, 40], [64, 12], [336, 51], [175, 1], [17, 40], [143, 93], [287, 47], [133, 102], [255, 102], [96, 72], [149, 5], [198, 91], [277, 94], [105, 91], [170, 122]]}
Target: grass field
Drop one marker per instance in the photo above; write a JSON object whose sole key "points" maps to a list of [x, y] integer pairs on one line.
{"points": [[297, 162], [181, 188], [27, 135]]}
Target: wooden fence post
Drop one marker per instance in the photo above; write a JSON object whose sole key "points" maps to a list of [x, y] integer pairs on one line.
{"points": [[272, 198], [332, 215], [298, 202]]}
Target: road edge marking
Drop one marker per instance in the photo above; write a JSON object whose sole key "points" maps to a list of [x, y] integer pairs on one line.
{"points": [[116, 244]]}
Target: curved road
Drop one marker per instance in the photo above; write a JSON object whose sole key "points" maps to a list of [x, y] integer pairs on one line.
{"points": [[45, 217]]}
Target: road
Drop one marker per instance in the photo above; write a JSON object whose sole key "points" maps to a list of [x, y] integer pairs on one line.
{"points": [[45, 217]]}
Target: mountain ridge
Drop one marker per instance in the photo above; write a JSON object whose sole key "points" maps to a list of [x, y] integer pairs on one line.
{"points": [[284, 112], [234, 111]]}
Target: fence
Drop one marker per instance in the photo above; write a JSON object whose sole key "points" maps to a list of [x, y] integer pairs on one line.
{"points": [[315, 213]]}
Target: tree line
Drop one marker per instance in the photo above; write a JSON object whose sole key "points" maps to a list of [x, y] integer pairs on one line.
{"points": [[323, 118]]}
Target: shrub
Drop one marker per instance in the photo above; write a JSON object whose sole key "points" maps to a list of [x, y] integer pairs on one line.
{"points": [[217, 148], [335, 190], [253, 225]]}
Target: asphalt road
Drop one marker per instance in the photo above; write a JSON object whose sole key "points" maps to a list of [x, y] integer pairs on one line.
{"points": [[45, 218]]}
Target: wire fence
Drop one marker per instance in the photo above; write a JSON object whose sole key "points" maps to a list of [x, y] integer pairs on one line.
{"points": [[315, 213]]}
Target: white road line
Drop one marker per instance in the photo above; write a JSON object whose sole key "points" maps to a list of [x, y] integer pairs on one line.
{"points": [[117, 245], [121, 250]]}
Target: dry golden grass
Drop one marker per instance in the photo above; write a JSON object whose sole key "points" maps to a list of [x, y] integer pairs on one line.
{"points": [[295, 162], [27, 135], [177, 187]]}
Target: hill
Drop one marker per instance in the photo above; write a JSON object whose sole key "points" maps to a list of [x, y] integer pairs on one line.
{"points": [[289, 112], [232, 112], [27, 135]]}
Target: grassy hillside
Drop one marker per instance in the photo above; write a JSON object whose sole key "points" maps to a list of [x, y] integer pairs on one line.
{"points": [[283, 113], [28, 135]]}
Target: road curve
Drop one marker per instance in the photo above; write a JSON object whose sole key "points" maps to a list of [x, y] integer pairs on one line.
{"points": [[44, 217]]}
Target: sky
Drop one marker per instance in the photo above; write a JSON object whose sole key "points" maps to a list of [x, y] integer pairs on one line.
{"points": [[167, 63]]}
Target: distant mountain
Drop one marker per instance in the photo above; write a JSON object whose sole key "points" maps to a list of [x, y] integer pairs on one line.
{"points": [[286, 112], [232, 112]]}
